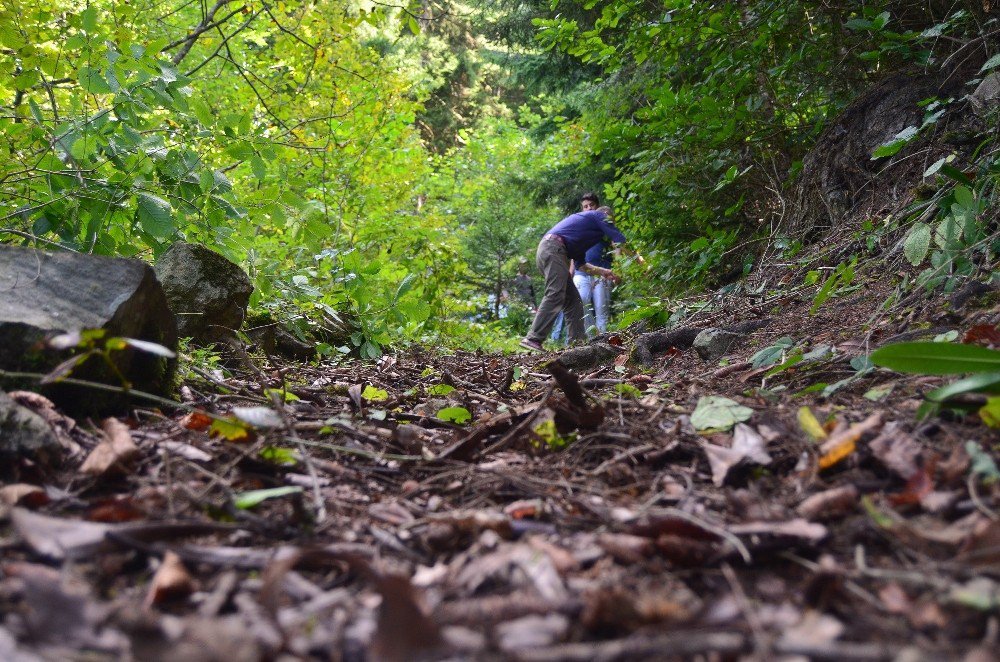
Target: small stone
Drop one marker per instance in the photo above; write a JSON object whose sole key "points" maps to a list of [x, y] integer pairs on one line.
{"points": [[24, 434], [712, 344]]}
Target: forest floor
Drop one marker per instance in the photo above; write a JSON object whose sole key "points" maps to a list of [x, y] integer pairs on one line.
{"points": [[827, 527]]}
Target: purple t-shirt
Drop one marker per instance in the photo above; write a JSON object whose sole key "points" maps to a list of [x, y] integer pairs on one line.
{"points": [[582, 230]]}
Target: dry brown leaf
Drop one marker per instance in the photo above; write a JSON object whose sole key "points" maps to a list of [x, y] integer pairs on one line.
{"points": [[829, 504], [626, 548], [894, 599], [841, 444], [897, 450], [115, 452], [58, 538], [747, 445], [22, 494], [196, 420], [404, 630], [172, 581], [982, 334], [58, 610]]}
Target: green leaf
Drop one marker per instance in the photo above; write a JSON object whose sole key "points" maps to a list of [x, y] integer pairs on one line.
{"points": [[258, 167], [455, 414], [88, 19], [92, 80], [981, 382], [245, 500], [229, 429], [413, 25], [715, 412], [373, 394], [991, 63], [930, 358], [771, 355], [440, 389], [893, 146], [917, 243], [990, 412], [286, 457], [155, 215], [628, 390], [405, 286]]}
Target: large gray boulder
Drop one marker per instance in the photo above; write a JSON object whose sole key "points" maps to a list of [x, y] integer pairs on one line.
{"points": [[208, 293], [24, 434], [43, 295]]}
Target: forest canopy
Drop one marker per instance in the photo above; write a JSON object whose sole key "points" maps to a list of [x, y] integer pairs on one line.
{"points": [[380, 169]]}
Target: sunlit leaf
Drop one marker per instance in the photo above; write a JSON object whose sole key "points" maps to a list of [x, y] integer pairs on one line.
{"points": [[455, 414], [246, 500]]}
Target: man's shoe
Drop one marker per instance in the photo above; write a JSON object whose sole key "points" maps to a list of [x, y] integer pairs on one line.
{"points": [[531, 344]]}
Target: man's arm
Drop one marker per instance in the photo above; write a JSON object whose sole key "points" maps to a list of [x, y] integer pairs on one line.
{"points": [[594, 270]]}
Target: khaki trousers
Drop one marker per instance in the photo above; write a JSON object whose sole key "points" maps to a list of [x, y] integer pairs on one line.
{"points": [[560, 294]]}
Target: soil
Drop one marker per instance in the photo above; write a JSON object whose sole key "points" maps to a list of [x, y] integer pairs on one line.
{"points": [[571, 518]]}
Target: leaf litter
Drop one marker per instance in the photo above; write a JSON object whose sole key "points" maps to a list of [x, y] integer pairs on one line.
{"points": [[379, 515]]}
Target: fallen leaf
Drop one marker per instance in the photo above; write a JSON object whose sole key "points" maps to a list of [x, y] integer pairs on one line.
{"points": [[747, 445], [58, 538], [259, 417], [813, 630], [231, 429], [246, 500], [172, 581], [920, 484], [56, 609], [22, 494], [829, 504], [531, 632], [982, 334], [894, 599], [809, 424], [196, 420], [897, 450], [186, 451], [116, 451], [841, 444], [715, 412], [404, 631]]}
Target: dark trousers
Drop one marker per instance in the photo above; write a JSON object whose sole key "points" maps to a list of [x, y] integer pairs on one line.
{"points": [[560, 294]]}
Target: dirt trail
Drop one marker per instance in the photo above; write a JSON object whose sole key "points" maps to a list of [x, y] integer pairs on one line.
{"points": [[579, 517]]}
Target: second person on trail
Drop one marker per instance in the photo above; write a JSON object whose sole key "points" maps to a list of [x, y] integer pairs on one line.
{"points": [[568, 240]]}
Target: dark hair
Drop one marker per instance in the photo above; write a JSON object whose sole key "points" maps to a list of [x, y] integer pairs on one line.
{"points": [[590, 195]]}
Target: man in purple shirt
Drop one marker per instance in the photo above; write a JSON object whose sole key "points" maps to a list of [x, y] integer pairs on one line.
{"points": [[568, 240]]}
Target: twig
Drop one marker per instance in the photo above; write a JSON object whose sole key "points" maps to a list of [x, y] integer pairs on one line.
{"points": [[759, 640], [675, 645]]}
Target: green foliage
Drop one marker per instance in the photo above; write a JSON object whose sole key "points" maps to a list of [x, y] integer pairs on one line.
{"points": [[932, 358], [455, 414]]}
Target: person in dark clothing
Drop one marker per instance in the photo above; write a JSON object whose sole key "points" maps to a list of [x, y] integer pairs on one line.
{"points": [[568, 240]]}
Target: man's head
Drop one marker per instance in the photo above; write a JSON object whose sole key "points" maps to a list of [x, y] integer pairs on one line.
{"points": [[522, 266], [607, 212], [589, 201]]}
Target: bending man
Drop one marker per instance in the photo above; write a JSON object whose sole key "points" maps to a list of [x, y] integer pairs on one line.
{"points": [[568, 240]]}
